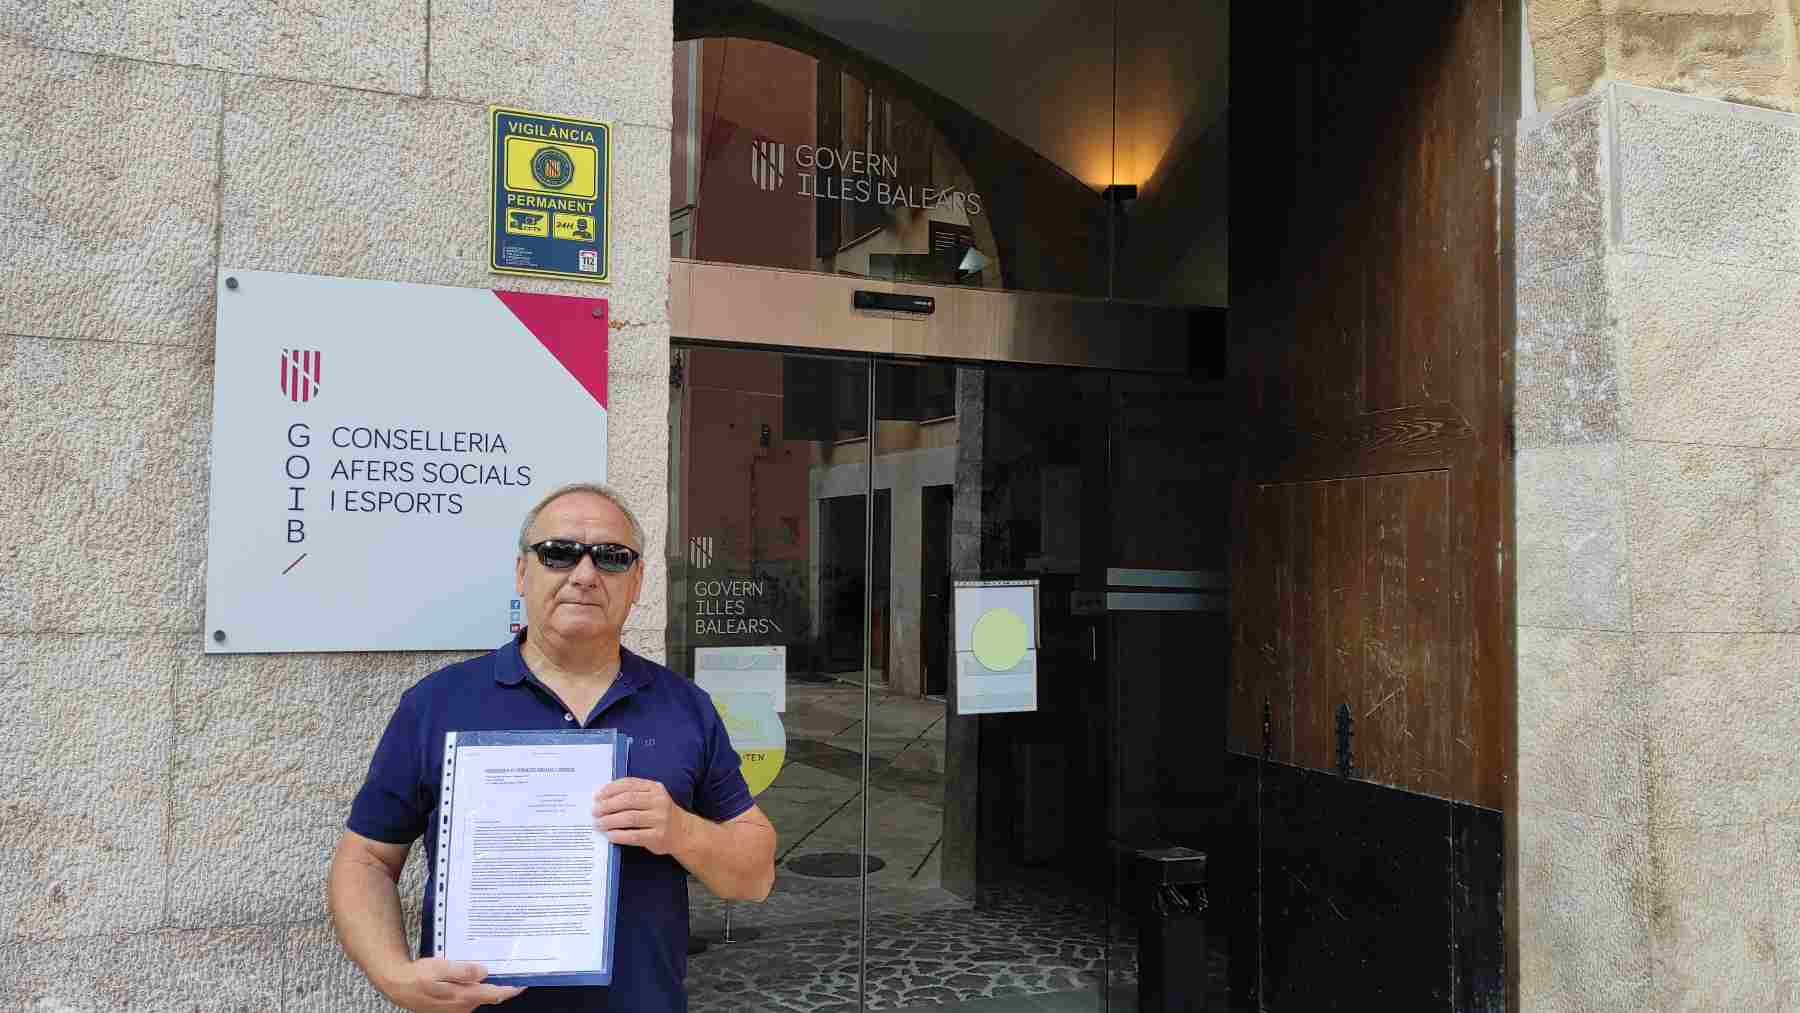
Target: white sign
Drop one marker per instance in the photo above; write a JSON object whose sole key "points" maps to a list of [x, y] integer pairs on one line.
{"points": [[744, 670], [375, 446], [996, 646]]}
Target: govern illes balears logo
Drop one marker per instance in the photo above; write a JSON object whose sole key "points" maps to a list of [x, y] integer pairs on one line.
{"points": [[300, 372], [768, 163], [852, 176]]}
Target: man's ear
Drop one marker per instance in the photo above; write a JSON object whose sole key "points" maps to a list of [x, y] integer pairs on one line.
{"points": [[519, 575]]}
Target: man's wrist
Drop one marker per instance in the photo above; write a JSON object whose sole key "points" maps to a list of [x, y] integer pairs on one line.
{"points": [[688, 831], [389, 977]]}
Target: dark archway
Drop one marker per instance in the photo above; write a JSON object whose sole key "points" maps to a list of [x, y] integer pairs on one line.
{"points": [[1050, 229]]}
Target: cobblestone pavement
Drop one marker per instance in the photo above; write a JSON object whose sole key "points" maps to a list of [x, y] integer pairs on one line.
{"points": [[1012, 944], [798, 951]]}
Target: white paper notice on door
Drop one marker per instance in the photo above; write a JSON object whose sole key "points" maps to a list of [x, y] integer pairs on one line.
{"points": [[749, 669], [996, 646]]}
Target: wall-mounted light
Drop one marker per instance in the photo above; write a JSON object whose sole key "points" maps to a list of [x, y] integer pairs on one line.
{"points": [[1119, 195]]}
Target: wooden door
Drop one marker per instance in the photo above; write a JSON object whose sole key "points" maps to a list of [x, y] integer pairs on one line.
{"points": [[1369, 328]]}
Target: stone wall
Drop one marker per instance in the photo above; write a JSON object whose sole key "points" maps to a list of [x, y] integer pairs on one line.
{"points": [[168, 815], [1742, 50], [1658, 499]]}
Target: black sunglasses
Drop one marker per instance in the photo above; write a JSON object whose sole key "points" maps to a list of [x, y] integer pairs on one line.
{"points": [[564, 554]]}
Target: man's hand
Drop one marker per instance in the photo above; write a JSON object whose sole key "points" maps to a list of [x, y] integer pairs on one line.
{"points": [[435, 985], [640, 812]]}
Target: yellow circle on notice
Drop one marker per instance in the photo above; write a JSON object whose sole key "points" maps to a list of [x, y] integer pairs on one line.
{"points": [[756, 732], [1000, 642], [761, 767]]}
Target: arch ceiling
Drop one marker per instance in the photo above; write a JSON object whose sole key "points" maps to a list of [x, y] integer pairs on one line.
{"points": [[1043, 71]]}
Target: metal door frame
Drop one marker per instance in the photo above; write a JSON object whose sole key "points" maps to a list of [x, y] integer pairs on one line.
{"points": [[760, 307]]}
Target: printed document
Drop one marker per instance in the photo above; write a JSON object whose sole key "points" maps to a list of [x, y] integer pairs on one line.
{"points": [[529, 886]]}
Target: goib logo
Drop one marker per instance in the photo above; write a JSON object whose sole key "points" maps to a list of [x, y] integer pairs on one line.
{"points": [[552, 167], [768, 163]]}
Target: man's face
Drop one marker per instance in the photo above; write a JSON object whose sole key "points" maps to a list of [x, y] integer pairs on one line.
{"points": [[583, 603]]}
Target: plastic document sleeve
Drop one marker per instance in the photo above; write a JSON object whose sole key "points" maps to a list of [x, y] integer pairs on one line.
{"points": [[525, 885]]}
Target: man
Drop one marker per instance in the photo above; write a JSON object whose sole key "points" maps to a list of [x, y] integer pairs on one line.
{"points": [[684, 808]]}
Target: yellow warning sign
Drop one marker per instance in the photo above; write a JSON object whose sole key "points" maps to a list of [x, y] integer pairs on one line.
{"points": [[528, 223], [576, 227], [558, 168], [550, 182]]}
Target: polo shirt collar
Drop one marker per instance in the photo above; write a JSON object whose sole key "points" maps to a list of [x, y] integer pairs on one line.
{"points": [[510, 668]]}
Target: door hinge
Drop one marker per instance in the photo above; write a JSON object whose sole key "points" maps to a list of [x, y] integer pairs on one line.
{"points": [[1345, 763], [1268, 730]]}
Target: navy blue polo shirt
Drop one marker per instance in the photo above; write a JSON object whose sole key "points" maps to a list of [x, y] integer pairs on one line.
{"points": [[676, 738]]}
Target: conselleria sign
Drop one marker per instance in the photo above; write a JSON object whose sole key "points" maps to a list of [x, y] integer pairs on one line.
{"points": [[375, 446]]}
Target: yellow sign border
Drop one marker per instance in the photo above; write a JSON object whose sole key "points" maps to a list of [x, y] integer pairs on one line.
{"points": [[494, 156]]}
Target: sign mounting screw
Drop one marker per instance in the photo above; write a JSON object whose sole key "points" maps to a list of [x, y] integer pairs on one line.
{"points": [[231, 283]]}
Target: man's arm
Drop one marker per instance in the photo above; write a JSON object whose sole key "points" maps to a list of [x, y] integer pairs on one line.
{"points": [[365, 908], [735, 859]]}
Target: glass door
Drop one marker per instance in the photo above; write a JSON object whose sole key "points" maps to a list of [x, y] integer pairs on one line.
{"points": [[769, 590], [1161, 597], [913, 590]]}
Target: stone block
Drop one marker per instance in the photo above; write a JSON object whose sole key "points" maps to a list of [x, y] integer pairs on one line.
{"points": [[1727, 48], [640, 223], [1778, 535], [109, 206], [1569, 504], [1723, 716], [1695, 564], [270, 749], [649, 643], [1562, 201], [354, 184], [317, 976], [614, 69], [1707, 180], [167, 972], [1707, 345], [335, 182], [1569, 380], [86, 803], [1583, 913], [637, 464], [1581, 724], [380, 47], [1784, 898], [105, 497], [1568, 48], [1712, 927]]}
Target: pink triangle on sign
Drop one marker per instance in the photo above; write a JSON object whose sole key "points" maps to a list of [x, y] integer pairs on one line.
{"points": [[571, 328]]}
